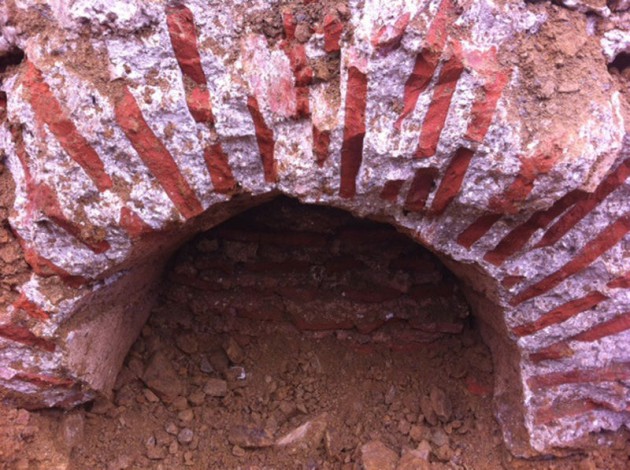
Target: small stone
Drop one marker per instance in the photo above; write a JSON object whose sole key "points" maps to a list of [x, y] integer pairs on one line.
{"points": [[197, 398], [390, 395], [234, 351], [150, 396], [441, 404], [418, 432], [180, 404], [238, 451], [186, 416], [153, 451], [306, 437], [188, 458], [187, 343], [205, 366], [185, 436], [250, 437], [404, 427], [215, 388], [72, 426], [377, 456], [444, 453], [219, 361], [439, 437], [171, 428], [413, 460], [161, 377], [173, 448], [424, 450], [427, 410]]}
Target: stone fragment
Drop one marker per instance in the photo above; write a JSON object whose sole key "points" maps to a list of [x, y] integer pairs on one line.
{"points": [[441, 404], [215, 388], [426, 406], [185, 436], [306, 437], [249, 436], [234, 351], [161, 377], [377, 456], [413, 460]]}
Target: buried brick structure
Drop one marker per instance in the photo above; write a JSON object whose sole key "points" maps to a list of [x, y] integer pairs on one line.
{"points": [[491, 133]]}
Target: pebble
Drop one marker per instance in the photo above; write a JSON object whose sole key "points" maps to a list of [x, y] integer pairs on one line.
{"points": [[441, 404], [171, 428], [306, 437], [215, 388], [185, 436], [150, 396], [180, 403], [248, 436], [161, 377], [234, 351], [197, 398], [377, 456], [186, 416]]}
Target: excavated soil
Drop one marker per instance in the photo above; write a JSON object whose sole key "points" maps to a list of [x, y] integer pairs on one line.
{"points": [[213, 383]]}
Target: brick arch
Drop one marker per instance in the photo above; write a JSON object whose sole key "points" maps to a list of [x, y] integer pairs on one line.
{"points": [[162, 124]]}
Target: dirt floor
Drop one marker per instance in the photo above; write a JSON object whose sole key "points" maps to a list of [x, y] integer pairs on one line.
{"points": [[279, 398]]}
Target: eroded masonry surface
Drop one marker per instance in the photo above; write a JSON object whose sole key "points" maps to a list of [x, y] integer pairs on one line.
{"points": [[493, 134]]}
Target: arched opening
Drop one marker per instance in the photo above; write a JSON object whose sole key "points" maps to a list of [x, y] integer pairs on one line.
{"points": [[296, 333]]}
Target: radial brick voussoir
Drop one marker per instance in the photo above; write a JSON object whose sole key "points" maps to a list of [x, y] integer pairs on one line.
{"points": [[493, 133]]}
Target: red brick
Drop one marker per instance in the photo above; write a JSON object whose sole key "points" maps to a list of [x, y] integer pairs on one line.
{"points": [[375, 294], [48, 111], [422, 292], [265, 139], [427, 60], [477, 229], [612, 373], [155, 155], [553, 352], [391, 190], [440, 103], [343, 264], [483, 109], [333, 29], [356, 237], [181, 29], [585, 205], [622, 282], [452, 180], [131, 223], [608, 238], [563, 409], [282, 267], [388, 38], [31, 309], [23, 335], [44, 381], [561, 313], [421, 186], [219, 168], [321, 144], [413, 263], [47, 268], [510, 281], [353, 132], [518, 238], [608, 328], [530, 168]]}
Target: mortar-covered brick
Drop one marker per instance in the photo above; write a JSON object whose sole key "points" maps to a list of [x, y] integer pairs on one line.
{"points": [[129, 128]]}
